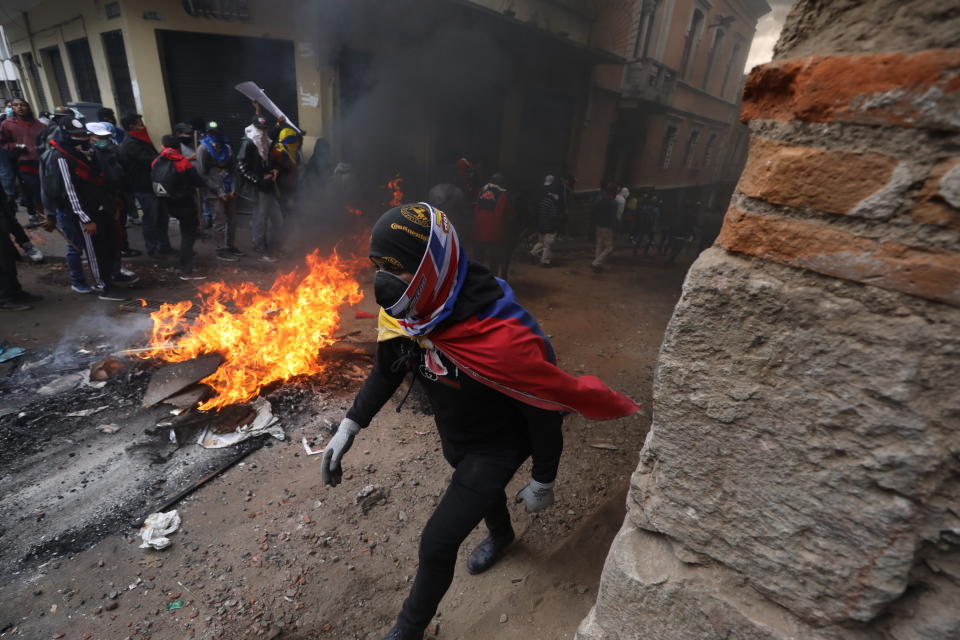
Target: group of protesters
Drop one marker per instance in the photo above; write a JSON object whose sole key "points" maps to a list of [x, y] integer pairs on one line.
{"points": [[89, 180]]}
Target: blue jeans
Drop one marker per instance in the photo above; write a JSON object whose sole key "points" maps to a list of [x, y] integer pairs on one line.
{"points": [[70, 224], [156, 223]]}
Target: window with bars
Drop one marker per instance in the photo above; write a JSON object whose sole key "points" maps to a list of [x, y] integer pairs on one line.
{"points": [[666, 151], [84, 75], [689, 154], [119, 72], [34, 72], [708, 151], [55, 60]]}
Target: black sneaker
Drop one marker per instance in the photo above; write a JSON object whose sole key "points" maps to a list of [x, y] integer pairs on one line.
{"points": [[13, 305], [130, 253], [192, 275], [126, 278], [113, 295], [487, 553], [235, 251], [227, 256]]}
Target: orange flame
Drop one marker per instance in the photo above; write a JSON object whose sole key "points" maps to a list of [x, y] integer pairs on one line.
{"points": [[395, 187], [264, 335]]}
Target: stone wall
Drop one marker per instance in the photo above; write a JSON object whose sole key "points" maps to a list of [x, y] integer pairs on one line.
{"points": [[802, 475]]}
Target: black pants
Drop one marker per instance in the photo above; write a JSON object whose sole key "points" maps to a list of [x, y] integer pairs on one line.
{"points": [[9, 285], [185, 211], [101, 247], [15, 228], [476, 493]]}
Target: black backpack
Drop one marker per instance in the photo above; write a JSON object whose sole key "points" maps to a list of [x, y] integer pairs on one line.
{"points": [[51, 181], [167, 181]]}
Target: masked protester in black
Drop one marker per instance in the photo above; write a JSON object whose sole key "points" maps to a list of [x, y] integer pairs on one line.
{"points": [[486, 435]]}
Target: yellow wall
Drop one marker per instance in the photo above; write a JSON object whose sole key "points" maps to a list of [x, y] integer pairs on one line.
{"points": [[55, 22]]}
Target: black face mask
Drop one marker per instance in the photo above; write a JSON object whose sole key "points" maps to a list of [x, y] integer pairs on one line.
{"points": [[387, 290]]}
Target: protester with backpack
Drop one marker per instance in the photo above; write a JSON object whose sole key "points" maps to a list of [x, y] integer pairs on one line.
{"points": [[72, 184], [136, 155], [174, 181]]}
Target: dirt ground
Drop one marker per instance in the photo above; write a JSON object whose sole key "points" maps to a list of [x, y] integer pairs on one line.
{"points": [[266, 551]]}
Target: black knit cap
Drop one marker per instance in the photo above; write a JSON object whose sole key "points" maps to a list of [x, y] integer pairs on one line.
{"points": [[400, 236]]}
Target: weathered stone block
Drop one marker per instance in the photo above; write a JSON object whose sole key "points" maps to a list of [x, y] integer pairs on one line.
{"points": [[646, 583], [797, 176], [835, 252], [813, 444]]}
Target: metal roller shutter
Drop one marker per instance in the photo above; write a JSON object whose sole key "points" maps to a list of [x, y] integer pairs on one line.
{"points": [[201, 69]]}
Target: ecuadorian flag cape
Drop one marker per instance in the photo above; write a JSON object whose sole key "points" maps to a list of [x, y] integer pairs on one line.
{"points": [[500, 346]]}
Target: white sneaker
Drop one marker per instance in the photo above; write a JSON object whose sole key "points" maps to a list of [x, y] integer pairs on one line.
{"points": [[34, 254]]}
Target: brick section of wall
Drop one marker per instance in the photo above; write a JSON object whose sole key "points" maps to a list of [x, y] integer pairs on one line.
{"points": [[797, 176], [919, 90], [928, 274], [938, 202]]}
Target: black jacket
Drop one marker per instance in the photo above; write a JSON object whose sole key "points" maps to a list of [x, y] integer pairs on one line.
{"points": [[251, 168], [136, 156], [470, 416]]}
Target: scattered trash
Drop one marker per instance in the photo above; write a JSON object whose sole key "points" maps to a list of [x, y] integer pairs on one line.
{"points": [[106, 369], [109, 428], [83, 413], [606, 446], [157, 527], [264, 422], [176, 604], [90, 382], [6, 411], [63, 383], [311, 446], [42, 362], [9, 353], [189, 397], [173, 436]]}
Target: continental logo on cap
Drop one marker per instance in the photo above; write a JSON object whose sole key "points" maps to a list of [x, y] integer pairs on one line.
{"points": [[417, 214], [415, 234]]}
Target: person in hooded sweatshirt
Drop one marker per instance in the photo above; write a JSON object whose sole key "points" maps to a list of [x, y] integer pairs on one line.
{"points": [[258, 183], [216, 166], [136, 156], [178, 200], [489, 373]]}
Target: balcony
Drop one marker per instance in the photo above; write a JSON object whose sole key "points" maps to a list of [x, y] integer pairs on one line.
{"points": [[649, 81]]}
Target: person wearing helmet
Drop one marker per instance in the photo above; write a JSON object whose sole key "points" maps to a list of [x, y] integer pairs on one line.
{"points": [[490, 375], [258, 183], [74, 186]]}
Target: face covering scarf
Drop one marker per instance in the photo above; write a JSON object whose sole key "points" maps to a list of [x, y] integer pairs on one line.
{"points": [[500, 345]]}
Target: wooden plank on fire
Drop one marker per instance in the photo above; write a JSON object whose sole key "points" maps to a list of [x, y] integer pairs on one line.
{"points": [[142, 305]]}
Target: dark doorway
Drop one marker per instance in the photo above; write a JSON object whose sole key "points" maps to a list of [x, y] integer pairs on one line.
{"points": [[119, 72], [201, 69]]}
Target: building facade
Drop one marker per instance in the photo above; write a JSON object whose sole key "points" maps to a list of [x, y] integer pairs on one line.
{"points": [[667, 118]]}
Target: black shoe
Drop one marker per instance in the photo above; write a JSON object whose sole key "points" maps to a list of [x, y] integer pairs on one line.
{"points": [[12, 305], [235, 251], [192, 275], [227, 256], [486, 554], [113, 295], [399, 633], [23, 296], [130, 253]]}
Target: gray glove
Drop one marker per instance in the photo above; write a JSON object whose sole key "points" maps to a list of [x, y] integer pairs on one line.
{"points": [[537, 495], [340, 443]]}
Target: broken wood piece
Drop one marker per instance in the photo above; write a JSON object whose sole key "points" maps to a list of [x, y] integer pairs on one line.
{"points": [[189, 397], [177, 376]]}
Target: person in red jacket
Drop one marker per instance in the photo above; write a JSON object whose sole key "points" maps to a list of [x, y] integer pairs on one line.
{"points": [[176, 197], [18, 136], [493, 221]]}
